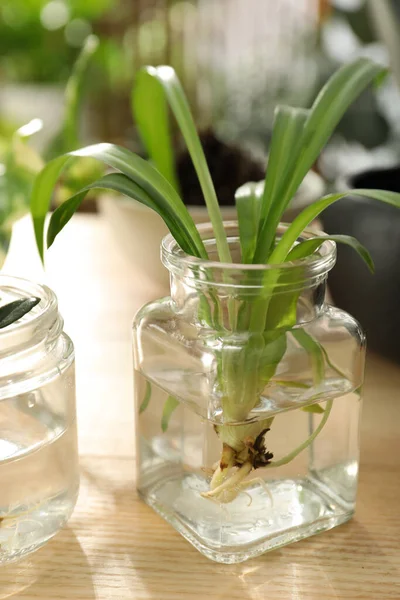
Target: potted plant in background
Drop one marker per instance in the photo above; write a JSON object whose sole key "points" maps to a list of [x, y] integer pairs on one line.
{"points": [[247, 384]]}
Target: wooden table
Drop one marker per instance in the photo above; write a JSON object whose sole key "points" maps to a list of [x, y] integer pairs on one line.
{"points": [[115, 547]]}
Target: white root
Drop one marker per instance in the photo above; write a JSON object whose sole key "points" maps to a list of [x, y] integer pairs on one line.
{"points": [[230, 488], [261, 482]]}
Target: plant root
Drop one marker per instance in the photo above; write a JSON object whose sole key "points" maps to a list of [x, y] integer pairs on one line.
{"points": [[260, 481], [230, 488], [235, 465]]}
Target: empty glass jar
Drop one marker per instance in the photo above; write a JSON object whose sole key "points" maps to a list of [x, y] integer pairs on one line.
{"points": [[39, 475], [248, 401]]}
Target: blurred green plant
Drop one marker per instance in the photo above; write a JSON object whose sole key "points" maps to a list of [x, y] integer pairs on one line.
{"points": [[18, 166], [39, 38], [20, 163]]}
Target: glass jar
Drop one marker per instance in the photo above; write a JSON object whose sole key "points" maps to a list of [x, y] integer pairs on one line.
{"points": [[247, 392], [39, 474]]}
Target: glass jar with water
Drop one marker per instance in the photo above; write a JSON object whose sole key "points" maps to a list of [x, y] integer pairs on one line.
{"points": [[39, 476], [247, 390]]}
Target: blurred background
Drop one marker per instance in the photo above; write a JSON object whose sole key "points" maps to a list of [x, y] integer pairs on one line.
{"points": [[237, 59]]}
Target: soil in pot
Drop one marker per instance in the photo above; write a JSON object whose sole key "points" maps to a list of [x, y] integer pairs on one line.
{"points": [[230, 167]]}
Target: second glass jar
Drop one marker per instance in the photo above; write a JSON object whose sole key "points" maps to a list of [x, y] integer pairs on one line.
{"points": [[39, 474]]}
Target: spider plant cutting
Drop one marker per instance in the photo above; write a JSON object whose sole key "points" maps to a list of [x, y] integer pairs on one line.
{"points": [[256, 311]]}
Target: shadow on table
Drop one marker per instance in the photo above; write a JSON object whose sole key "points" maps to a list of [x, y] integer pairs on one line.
{"points": [[154, 561], [59, 566], [319, 567], [136, 549]]}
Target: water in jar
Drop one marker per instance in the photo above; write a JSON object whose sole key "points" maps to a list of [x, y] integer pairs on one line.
{"points": [[39, 475], [178, 449]]}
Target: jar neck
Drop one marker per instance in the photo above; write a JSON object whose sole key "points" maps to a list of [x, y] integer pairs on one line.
{"points": [[41, 326], [208, 306], [236, 296]]}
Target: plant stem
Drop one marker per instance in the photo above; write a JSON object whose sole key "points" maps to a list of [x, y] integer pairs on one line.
{"points": [[222, 471]]}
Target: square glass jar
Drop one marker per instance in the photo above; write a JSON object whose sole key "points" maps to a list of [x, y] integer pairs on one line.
{"points": [[247, 437]]}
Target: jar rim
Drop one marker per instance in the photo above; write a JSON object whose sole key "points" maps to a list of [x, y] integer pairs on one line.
{"points": [[177, 261], [37, 322]]}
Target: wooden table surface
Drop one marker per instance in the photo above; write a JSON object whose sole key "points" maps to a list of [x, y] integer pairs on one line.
{"points": [[115, 547]]}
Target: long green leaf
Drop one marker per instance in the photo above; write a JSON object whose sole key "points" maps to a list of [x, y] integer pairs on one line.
{"points": [[259, 315], [284, 152], [170, 405], [131, 165], [41, 196], [311, 212], [150, 113], [308, 247], [120, 183], [180, 107], [328, 109], [248, 206]]}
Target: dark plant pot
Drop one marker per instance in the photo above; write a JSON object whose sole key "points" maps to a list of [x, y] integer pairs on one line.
{"points": [[230, 167], [373, 299]]}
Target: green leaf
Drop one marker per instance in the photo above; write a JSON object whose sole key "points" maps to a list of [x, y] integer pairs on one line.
{"points": [[42, 192], [248, 205], [12, 312], [285, 148], [146, 399], [170, 405], [150, 113], [272, 354], [310, 213], [139, 171], [308, 247], [326, 112], [68, 137], [118, 182], [313, 408], [180, 107]]}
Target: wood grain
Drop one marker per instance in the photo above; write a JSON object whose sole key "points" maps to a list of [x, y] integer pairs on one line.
{"points": [[115, 547]]}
